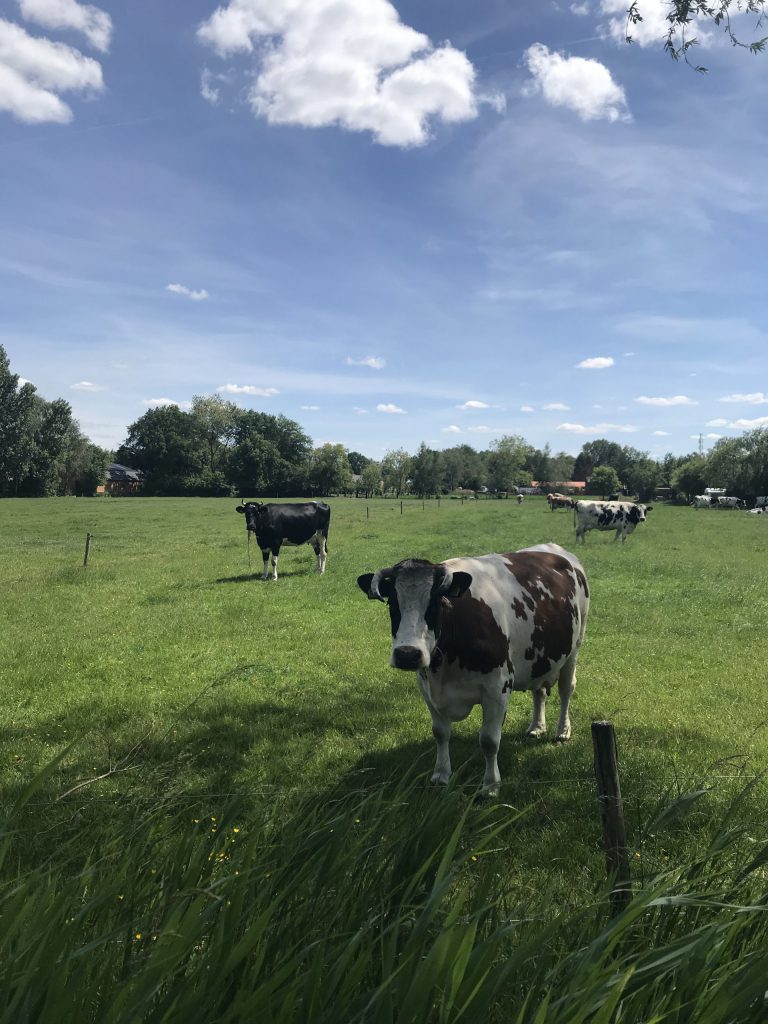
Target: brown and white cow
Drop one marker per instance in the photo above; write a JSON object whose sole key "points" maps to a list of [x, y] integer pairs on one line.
{"points": [[474, 629], [621, 516], [557, 500]]}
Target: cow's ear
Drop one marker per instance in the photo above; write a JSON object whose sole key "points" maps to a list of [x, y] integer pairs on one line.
{"points": [[649, 508], [240, 509], [385, 585], [460, 582]]}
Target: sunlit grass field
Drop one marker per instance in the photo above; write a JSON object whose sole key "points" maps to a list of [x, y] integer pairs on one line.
{"points": [[190, 755]]}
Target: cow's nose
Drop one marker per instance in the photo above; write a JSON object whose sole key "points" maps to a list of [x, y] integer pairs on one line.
{"points": [[407, 657]]}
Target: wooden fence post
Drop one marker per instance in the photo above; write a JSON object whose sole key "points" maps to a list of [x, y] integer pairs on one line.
{"points": [[367, 512], [612, 814], [401, 508], [88, 539]]}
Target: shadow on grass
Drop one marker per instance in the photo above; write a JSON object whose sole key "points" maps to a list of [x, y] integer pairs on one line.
{"points": [[247, 577]]}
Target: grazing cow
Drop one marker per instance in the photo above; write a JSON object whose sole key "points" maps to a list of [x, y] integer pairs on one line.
{"points": [[293, 524], [519, 499], [761, 502], [761, 511], [474, 629], [621, 516], [729, 502], [704, 501]]}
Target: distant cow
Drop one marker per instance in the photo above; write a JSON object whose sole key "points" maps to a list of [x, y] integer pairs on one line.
{"points": [[704, 501], [761, 511], [474, 629], [519, 499], [556, 501], [761, 502], [729, 502], [621, 516], [292, 524]]}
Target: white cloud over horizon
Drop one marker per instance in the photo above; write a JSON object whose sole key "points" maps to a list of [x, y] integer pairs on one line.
{"points": [[665, 402], [453, 429], [597, 428], [582, 85], [556, 407], [247, 389], [390, 407], [756, 398], [351, 63], [87, 385], [160, 403], [473, 403]]}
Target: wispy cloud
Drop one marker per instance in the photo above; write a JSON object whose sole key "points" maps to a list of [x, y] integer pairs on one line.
{"points": [[527, 408], [661, 433], [189, 293], [87, 385], [756, 398], [453, 429], [359, 411], [311, 408], [390, 407], [582, 85], [556, 407], [674, 400], [719, 422], [597, 428], [375, 362], [247, 389], [595, 363]]}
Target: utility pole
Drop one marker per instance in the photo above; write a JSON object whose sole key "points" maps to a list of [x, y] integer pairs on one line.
{"points": [[701, 444]]}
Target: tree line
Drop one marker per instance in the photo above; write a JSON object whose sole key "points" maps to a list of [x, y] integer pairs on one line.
{"points": [[219, 449]]}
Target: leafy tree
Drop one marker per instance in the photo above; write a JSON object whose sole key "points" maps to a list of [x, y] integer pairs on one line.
{"points": [[47, 427], [357, 462], [268, 455], [370, 478], [681, 13], [642, 477], [215, 421], [16, 403], [256, 467], [690, 477], [605, 480], [395, 470], [427, 471], [505, 462], [167, 446], [83, 465], [582, 468], [562, 467], [329, 470], [463, 466]]}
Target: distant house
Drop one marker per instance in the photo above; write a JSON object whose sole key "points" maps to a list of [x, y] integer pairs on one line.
{"points": [[564, 486], [121, 480]]}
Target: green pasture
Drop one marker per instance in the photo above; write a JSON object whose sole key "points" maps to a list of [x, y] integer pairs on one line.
{"points": [[169, 657], [191, 756]]}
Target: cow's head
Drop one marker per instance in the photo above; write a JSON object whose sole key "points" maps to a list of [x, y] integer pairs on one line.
{"points": [[253, 512], [637, 513], [415, 591]]}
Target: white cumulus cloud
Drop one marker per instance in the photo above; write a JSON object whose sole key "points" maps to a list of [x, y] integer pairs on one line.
{"points": [[189, 293], [375, 362], [351, 63], [247, 389], [717, 423], [582, 85], [595, 363], [93, 23], [761, 421], [86, 385], [755, 398], [33, 71], [661, 433], [453, 429], [674, 400], [390, 407]]}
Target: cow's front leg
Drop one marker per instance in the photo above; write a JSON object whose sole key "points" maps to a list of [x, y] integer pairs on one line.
{"points": [[494, 712], [265, 556], [275, 553], [322, 555], [441, 730], [566, 684], [538, 724]]}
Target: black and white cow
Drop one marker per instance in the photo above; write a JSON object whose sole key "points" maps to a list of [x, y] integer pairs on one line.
{"points": [[621, 516], [704, 501], [290, 523], [728, 501], [474, 629]]}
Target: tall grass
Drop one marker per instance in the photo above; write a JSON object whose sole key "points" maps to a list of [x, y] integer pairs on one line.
{"points": [[344, 911]]}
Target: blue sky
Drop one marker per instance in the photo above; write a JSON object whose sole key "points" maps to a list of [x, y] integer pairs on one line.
{"points": [[394, 223]]}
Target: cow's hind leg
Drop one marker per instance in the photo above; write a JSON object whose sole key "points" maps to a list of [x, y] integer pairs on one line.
{"points": [[538, 724], [321, 550], [566, 684], [265, 556], [494, 713], [275, 553]]}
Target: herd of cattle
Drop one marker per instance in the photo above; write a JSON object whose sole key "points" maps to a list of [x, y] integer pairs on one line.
{"points": [[475, 629]]}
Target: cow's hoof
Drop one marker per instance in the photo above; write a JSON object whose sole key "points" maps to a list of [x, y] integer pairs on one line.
{"points": [[563, 737], [535, 734], [439, 780]]}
